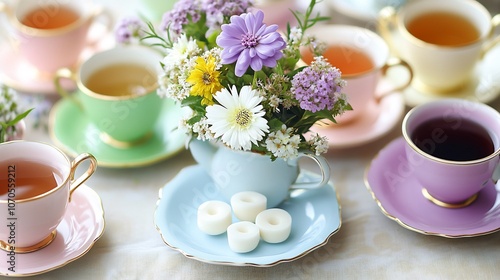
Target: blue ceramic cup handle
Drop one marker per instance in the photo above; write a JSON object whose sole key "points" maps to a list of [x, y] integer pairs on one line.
{"points": [[324, 170]]}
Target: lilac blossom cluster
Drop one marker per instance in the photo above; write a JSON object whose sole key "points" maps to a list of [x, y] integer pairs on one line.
{"points": [[129, 29], [319, 86], [216, 12]]}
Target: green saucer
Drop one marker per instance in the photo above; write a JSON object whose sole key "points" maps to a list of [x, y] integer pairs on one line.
{"points": [[74, 134]]}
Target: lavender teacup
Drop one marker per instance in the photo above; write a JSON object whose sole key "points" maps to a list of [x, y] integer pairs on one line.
{"points": [[453, 148]]}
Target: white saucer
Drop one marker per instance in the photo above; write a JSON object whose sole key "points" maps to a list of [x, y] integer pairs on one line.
{"points": [[81, 227], [315, 218], [398, 194], [484, 87], [375, 122]]}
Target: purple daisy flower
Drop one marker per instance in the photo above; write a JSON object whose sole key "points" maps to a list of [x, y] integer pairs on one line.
{"points": [[249, 42]]}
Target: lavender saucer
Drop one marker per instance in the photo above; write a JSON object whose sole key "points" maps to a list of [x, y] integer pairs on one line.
{"points": [[399, 196]]}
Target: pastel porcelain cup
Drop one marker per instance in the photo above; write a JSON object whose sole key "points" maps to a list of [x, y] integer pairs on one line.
{"points": [[361, 87], [453, 149], [440, 67], [124, 119], [153, 10], [236, 171], [32, 220], [51, 34]]}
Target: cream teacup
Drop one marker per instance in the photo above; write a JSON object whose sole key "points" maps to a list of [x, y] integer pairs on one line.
{"points": [[441, 40], [453, 148], [52, 34], [363, 58], [117, 92], [37, 181]]}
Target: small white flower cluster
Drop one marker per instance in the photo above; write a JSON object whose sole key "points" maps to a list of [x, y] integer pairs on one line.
{"points": [[177, 65], [283, 143], [8, 105], [319, 143]]}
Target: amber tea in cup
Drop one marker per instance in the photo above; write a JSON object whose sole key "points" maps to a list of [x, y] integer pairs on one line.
{"points": [[121, 79], [348, 59], [48, 16], [32, 178], [443, 28]]}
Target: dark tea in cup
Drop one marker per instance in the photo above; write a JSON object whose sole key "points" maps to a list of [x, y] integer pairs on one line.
{"points": [[457, 140]]}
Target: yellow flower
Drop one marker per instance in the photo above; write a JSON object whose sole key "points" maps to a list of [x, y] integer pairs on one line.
{"points": [[205, 79]]}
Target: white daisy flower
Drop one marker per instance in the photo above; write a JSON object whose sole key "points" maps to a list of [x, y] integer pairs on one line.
{"points": [[239, 119]]}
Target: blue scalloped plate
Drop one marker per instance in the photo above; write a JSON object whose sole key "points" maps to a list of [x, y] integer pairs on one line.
{"points": [[315, 218]]}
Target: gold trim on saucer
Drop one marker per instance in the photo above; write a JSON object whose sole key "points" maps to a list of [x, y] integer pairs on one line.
{"points": [[402, 223], [108, 139], [23, 250], [438, 202]]}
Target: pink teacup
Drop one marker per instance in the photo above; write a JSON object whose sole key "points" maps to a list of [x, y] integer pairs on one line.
{"points": [[36, 183], [453, 148], [52, 34], [362, 86]]}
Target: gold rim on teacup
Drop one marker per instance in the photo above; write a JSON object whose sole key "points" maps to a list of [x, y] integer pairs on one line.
{"points": [[408, 140], [73, 165], [82, 19]]}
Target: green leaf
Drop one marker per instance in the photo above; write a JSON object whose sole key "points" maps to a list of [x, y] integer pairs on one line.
{"points": [[19, 118]]}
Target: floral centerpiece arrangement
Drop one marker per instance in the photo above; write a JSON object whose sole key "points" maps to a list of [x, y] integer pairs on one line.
{"points": [[242, 79], [10, 114]]}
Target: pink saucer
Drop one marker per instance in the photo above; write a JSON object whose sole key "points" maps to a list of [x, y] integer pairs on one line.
{"points": [[375, 122], [399, 196], [20, 75], [81, 227]]}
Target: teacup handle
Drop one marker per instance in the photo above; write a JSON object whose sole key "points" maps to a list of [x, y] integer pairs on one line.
{"points": [[324, 169], [74, 184], [495, 23], [395, 62], [386, 23], [109, 21], [65, 73]]}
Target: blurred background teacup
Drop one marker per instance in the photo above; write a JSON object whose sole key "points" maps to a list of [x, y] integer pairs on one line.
{"points": [[453, 148], [364, 59], [51, 34], [37, 183], [153, 10], [441, 40], [117, 93]]}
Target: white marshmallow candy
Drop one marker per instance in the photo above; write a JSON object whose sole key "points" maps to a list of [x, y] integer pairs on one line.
{"points": [[243, 236], [274, 224], [214, 217], [247, 205]]}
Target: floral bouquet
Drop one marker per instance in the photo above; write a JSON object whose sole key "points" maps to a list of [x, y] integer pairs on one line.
{"points": [[10, 114], [242, 79]]}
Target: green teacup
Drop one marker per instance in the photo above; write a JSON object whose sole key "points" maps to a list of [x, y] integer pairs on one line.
{"points": [[117, 92]]}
